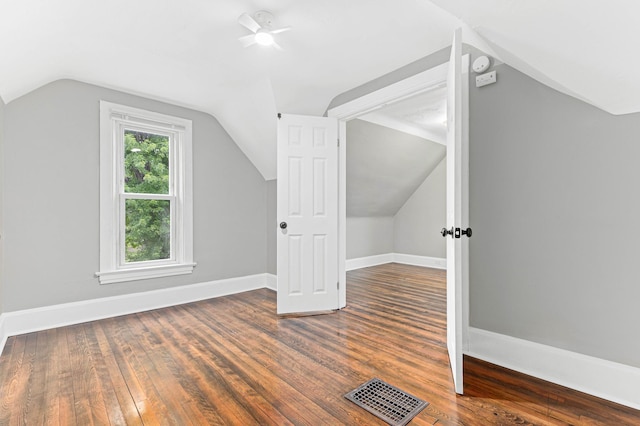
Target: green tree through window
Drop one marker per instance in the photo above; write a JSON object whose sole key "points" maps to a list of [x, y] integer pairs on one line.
{"points": [[148, 222], [146, 194]]}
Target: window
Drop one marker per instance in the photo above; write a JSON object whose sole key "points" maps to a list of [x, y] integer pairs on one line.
{"points": [[146, 214]]}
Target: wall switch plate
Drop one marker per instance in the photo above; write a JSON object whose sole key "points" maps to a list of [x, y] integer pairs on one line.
{"points": [[484, 79]]}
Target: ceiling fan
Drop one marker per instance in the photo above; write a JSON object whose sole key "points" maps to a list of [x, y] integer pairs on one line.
{"points": [[261, 25]]}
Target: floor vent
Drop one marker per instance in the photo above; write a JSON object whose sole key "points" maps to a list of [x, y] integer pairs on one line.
{"points": [[386, 402]]}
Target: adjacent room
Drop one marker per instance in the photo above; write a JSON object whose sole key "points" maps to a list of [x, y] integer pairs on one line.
{"points": [[396, 192]]}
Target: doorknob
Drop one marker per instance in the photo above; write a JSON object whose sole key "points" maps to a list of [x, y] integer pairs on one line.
{"points": [[445, 231], [283, 225], [460, 232], [456, 232]]}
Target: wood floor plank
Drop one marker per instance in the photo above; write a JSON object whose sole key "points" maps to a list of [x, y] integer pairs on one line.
{"points": [[29, 408], [144, 394], [50, 390], [14, 382], [253, 360], [240, 370], [176, 370], [233, 361], [122, 409], [65, 396], [162, 393], [89, 404]]}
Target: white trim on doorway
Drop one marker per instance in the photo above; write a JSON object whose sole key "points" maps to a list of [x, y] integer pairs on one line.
{"points": [[427, 80]]}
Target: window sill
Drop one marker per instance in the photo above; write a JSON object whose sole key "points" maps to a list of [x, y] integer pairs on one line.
{"points": [[110, 277]]}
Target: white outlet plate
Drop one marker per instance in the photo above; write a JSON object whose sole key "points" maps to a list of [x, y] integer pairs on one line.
{"points": [[485, 79]]}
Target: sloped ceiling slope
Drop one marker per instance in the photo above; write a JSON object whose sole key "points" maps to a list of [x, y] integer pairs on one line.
{"points": [[187, 53], [584, 48], [384, 167]]}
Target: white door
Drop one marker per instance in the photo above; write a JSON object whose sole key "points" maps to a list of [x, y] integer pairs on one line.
{"points": [[307, 214], [457, 203]]}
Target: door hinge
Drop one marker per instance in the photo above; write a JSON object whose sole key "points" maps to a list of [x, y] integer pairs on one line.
{"points": [[338, 285], [338, 142]]}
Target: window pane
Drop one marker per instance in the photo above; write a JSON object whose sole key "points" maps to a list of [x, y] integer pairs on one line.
{"points": [[146, 163], [148, 230]]}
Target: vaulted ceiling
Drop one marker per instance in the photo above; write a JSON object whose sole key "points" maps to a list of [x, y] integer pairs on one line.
{"points": [[385, 167], [187, 52]]}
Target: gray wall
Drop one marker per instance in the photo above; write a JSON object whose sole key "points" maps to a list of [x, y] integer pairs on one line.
{"points": [[1, 204], [369, 236], [385, 169], [554, 213], [414, 229], [272, 226], [51, 208], [419, 220], [554, 210]]}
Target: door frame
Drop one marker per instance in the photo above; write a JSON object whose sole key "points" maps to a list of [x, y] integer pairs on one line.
{"points": [[424, 81]]}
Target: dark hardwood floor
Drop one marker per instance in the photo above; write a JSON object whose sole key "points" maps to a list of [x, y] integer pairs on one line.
{"points": [[231, 360]]}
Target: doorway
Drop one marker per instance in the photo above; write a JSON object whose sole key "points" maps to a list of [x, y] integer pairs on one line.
{"points": [[396, 183], [455, 75], [427, 81], [297, 141]]}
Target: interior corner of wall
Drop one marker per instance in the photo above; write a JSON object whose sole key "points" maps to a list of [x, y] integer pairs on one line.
{"points": [[471, 37]]}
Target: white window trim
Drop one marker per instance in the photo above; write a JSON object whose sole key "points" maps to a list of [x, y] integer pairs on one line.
{"points": [[112, 269]]}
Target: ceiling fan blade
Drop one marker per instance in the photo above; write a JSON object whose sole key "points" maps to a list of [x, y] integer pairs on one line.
{"points": [[280, 30], [248, 22], [277, 46], [247, 40]]}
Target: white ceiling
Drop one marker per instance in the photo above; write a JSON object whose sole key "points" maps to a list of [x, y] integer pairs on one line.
{"points": [[585, 48], [187, 52], [385, 167], [423, 115]]}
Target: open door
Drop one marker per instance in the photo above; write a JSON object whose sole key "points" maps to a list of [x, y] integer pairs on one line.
{"points": [[457, 204], [307, 211]]}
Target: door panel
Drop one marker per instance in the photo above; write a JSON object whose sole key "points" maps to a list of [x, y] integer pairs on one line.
{"points": [[457, 205], [308, 204]]}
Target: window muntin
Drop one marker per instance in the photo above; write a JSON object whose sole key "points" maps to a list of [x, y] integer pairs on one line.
{"points": [[146, 206]]}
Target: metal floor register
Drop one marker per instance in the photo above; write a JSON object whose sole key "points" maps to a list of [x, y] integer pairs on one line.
{"points": [[386, 402]]}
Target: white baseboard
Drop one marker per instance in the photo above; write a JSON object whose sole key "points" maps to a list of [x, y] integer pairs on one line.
{"points": [[3, 334], [30, 320], [365, 262], [426, 261], [604, 379], [407, 259], [272, 282]]}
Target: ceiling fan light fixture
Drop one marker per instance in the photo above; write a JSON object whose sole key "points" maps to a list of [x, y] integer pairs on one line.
{"points": [[264, 37]]}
